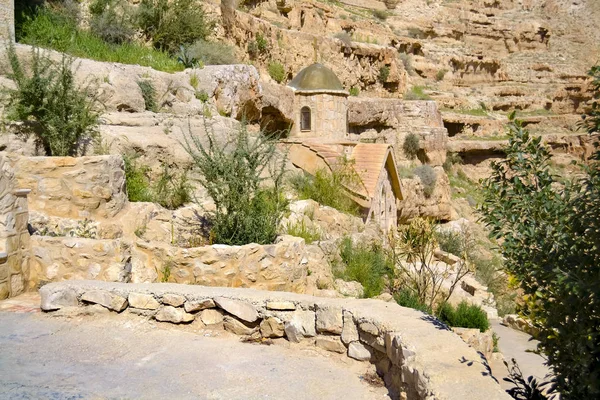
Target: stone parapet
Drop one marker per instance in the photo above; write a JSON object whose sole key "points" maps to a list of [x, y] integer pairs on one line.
{"points": [[419, 357]]}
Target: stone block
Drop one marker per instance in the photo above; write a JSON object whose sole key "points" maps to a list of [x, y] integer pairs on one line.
{"points": [[329, 343], [173, 315], [368, 327], [359, 352], [240, 309], [211, 317], [329, 319], [281, 305], [349, 332], [174, 300], [4, 290], [142, 301], [272, 327], [17, 285], [238, 327], [21, 220], [51, 301], [198, 305], [111, 301], [376, 342], [3, 272]]}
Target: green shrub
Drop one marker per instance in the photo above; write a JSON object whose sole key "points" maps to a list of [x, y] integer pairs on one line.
{"points": [[406, 298], [202, 96], [170, 24], [185, 58], [416, 93], [439, 76], [149, 95], [258, 46], [380, 14], [213, 53], [234, 172], [365, 264], [136, 180], [465, 315], [112, 20], [327, 188], [411, 146], [299, 229], [354, 91], [452, 159], [428, 178], [60, 115], [171, 190], [384, 74], [53, 29], [450, 242], [277, 72]]}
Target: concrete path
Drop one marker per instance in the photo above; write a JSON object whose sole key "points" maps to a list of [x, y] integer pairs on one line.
{"points": [[516, 344], [115, 357]]}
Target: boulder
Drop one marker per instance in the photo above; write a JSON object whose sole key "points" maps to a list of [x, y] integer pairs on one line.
{"points": [[106, 299], [359, 351], [174, 300], [329, 319], [330, 343], [198, 305], [173, 315], [211, 317], [349, 332], [238, 327], [242, 310], [142, 301], [51, 301], [272, 327]]}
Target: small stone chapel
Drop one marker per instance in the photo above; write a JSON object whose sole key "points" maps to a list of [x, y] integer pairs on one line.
{"points": [[319, 140]]}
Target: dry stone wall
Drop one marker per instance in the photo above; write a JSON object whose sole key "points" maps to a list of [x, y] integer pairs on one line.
{"points": [[418, 356], [14, 237], [7, 19], [71, 187]]}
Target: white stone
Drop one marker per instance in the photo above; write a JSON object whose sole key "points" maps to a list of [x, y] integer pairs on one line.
{"points": [[349, 332], [173, 315], [272, 327], [56, 300], [238, 327], [330, 343], [106, 299], [193, 306], [329, 319], [211, 317], [358, 351], [240, 309], [142, 301], [281, 305], [174, 300]]}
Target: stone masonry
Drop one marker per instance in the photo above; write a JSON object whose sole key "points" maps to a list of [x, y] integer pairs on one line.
{"points": [[14, 237], [7, 19], [417, 357]]}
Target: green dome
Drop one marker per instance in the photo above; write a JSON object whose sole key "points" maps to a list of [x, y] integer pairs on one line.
{"points": [[317, 78]]}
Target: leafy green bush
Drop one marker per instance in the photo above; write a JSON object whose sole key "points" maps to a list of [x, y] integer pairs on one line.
{"points": [[300, 229], [258, 46], [327, 188], [112, 20], [407, 298], [380, 14], [234, 172], [452, 159], [277, 72], [411, 146], [428, 178], [53, 29], [550, 233], [60, 115], [149, 95], [365, 264], [213, 53], [450, 241], [465, 315], [170, 24], [384, 74], [354, 91], [416, 93]]}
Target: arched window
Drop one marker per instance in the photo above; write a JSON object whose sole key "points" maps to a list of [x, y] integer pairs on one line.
{"points": [[305, 119]]}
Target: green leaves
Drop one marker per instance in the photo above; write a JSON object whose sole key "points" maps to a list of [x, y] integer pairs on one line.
{"points": [[551, 237]]}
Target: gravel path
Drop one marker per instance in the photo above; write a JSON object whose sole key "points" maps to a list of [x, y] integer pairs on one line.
{"points": [[108, 357]]}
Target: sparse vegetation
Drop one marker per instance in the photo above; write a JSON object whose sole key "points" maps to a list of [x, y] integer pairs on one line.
{"points": [[411, 146], [149, 95], [381, 15], [136, 179], [439, 76], [428, 178], [344, 37], [354, 91], [407, 298], [328, 188], [407, 62], [213, 53], [112, 20], [416, 93], [258, 46], [452, 159], [365, 264], [384, 74], [234, 171], [300, 229], [60, 115], [277, 71]]}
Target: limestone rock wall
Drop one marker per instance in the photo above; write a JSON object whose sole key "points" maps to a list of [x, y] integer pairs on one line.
{"points": [[14, 237], [7, 19], [418, 357], [72, 187]]}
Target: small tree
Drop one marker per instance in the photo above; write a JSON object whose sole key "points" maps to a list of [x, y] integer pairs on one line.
{"points": [[47, 101], [411, 146], [235, 173], [551, 244]]}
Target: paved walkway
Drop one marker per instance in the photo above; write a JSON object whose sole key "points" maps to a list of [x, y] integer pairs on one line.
{"points": [[516, 344], [115, 357]]}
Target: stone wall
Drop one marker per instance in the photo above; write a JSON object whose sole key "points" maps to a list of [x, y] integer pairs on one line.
{"points": [[418, 357], [14, 237], [7, 19], [328, 116], [68, 187]]}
